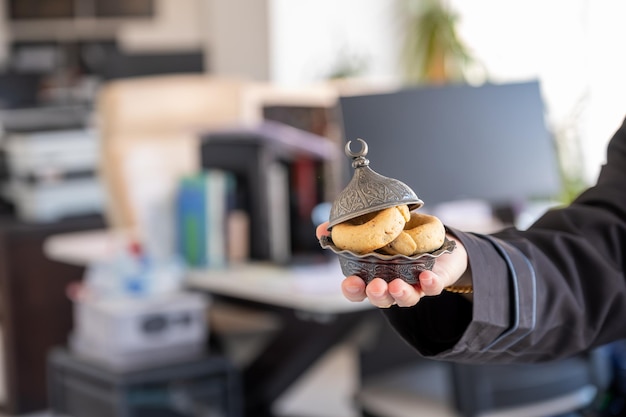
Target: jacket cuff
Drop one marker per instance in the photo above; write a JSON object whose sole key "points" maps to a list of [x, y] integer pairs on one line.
{"points": [[503, 280]]}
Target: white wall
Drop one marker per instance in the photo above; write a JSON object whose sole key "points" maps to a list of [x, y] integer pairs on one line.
{"points": [[607, 75], [309, 38], [238, 38], [300, 42]]}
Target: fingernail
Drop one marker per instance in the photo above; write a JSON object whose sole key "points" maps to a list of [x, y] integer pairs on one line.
{"points": [[397, 294], [353, 290], [426, 281]]}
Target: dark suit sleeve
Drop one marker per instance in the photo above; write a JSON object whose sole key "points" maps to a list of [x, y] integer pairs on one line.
{"points": [[551, 291]]}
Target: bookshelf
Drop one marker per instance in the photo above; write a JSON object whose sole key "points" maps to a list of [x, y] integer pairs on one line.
{"points": [[280, 175]]}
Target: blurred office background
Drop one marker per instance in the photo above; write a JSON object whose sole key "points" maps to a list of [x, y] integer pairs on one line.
{"points": [[56, 56], [570, 46]]}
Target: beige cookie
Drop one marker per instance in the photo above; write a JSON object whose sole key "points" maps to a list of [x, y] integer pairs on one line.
{"points": [[369, 232], [404, 210], [427, 231], [402, 245]]}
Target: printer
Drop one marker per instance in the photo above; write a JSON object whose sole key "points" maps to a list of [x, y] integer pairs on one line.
{"points": [[49, 159]]}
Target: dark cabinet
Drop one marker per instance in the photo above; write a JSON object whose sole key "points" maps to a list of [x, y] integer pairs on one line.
{"points": [[35, 313], [68, 9]]}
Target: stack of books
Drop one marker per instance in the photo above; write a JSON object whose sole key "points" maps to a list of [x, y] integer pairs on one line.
{"points": [[203, 206]]}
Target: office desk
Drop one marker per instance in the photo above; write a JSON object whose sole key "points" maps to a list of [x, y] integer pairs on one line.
{"points": [[313, 289], [315, 316]]}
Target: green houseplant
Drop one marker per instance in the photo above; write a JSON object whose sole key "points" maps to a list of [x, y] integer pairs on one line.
{"points": [[432, 51]]}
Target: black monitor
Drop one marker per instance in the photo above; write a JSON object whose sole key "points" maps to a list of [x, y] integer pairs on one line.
{"points": [[458, 142]]}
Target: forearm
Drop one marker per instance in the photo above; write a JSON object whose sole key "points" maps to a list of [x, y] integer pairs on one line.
{"points": [[538, 295], [450, 326]]}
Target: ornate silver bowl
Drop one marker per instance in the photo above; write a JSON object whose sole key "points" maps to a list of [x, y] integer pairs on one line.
{"points": [[368, 192], [387, 267]]}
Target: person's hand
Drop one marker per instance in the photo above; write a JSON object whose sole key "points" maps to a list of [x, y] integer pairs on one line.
{"points": [[448, 269]]}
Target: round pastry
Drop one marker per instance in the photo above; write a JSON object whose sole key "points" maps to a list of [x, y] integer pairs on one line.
{"points": [[427, 231], [365, 234], [402, 245]]}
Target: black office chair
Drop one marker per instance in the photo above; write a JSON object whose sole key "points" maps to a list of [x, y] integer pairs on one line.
{"points": [[545, 389], [395, 382]]}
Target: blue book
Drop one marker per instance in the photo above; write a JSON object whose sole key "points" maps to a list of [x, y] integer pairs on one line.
{"points": [[191, 220]]}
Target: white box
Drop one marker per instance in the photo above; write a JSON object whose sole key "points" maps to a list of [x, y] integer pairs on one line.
{"points": [[53, 174], [47, 202], [54, 152], [130, 333]]}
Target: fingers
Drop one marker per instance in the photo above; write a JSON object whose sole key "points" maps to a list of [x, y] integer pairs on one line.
{"points": [[353, 288], [383, 295], [403, 293], [447, 270], [322, 230], [431, 283], [378, 293]]}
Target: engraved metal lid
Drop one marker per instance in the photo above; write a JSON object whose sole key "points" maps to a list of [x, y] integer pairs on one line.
{"points": [[368, 191]]}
